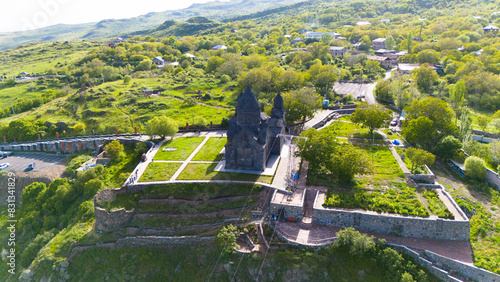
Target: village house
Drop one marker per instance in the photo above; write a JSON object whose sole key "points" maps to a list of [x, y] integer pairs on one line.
{"points": [[385, 20], [219, 47], [318, 35], [385, 62], [159, 62], [337, 51], [490, 28], [296, 40], [378, 43], [363, 23]]}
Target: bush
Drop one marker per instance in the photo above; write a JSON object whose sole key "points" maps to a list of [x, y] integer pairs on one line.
{"points": [[475, 168], [225, 79], [114, 149], [448, 147]]}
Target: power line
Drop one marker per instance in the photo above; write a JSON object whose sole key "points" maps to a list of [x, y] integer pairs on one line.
{"points": [[227, 240]]}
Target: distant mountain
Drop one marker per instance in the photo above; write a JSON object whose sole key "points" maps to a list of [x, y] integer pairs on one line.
{"points": [[110, 28]]}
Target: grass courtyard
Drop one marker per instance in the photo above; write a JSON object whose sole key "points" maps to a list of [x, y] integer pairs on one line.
{"points": [[211, 150], [185, 146], [206, 172], [159, 171]]}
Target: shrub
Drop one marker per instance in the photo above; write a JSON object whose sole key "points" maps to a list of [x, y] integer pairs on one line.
{"points": [[475, 168], [448, 147], [114, 149], [225, 79]]}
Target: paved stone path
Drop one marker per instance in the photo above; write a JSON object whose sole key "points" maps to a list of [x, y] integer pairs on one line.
{"points": [[319, 235]]}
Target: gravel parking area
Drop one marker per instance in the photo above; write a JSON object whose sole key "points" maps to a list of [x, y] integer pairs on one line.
{"points": [[19, 161]]}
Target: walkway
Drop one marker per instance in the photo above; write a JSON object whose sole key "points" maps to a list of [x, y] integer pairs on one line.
{"points": [[320, 235], [186, 162], [318, 117]]}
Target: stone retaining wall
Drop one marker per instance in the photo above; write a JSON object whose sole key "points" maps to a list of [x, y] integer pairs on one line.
{"points": [[392, 224], [427, 265], [68, 145], [289, 210], [469, 271], [429, 178], [110, 221]]}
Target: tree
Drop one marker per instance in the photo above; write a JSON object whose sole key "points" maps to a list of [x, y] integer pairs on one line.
{"points": [[225, 240], [419, 157], [371, 116], [324, 77], [326, 38], [409, 42], [465, 125], [366, 43], [428, 56], [300, 104], [144, 65], [434, 122], [347, 162], [114, 149], [163, 126], [483, 121], [418, 132], [79, 127], [213, 63], [109, 73], [448, 147], [475, 168], [323, 152], [127, 79], [425, 77], [457, 96], [389, 42]]}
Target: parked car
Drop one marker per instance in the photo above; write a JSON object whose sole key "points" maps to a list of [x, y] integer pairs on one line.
{"points": [[4, 166], [394, 122], [31, 166], [5, 154]]}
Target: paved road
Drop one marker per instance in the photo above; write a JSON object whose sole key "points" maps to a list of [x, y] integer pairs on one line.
{"points": [[19, 161], [349, 88]]}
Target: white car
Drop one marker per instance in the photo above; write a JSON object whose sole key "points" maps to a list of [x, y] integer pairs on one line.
{"points": [[4, 166]]}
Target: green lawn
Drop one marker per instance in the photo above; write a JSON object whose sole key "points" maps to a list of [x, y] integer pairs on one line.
{"points": [[347, 129], [185, 146], [206, 172], [399, 199], [159, 172], [211, 150], [436, 206]]}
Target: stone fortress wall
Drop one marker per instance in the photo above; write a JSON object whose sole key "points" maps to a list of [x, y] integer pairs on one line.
{"points": [[68, 145]]}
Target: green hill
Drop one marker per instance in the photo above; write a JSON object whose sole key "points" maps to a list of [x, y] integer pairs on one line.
{"points": [[112, 28]]}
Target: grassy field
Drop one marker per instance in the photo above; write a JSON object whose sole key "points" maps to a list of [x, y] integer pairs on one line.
{"points": [[185, 146], [159, 172], [399, 199], [41, 57], [384, 169], [206, 172], [348, 129], [194, 262], [210, 151]]}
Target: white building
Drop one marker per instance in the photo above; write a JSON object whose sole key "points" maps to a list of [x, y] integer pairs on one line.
{"points": [[219, 47], [318, 35]]}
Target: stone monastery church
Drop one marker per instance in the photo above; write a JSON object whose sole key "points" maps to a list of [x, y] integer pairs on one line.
{"points": [[253, 136]]}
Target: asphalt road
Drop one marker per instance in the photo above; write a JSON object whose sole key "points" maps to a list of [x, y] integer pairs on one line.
{"points": [[19, 161]]}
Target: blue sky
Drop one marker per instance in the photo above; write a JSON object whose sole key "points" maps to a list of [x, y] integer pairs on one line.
{"points": [[32, 14]]}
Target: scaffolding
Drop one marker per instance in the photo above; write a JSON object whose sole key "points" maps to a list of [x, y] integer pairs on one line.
{"points": [[292, 177]]}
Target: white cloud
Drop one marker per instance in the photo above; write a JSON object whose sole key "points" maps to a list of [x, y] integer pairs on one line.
{"points": [[31, 14]]}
